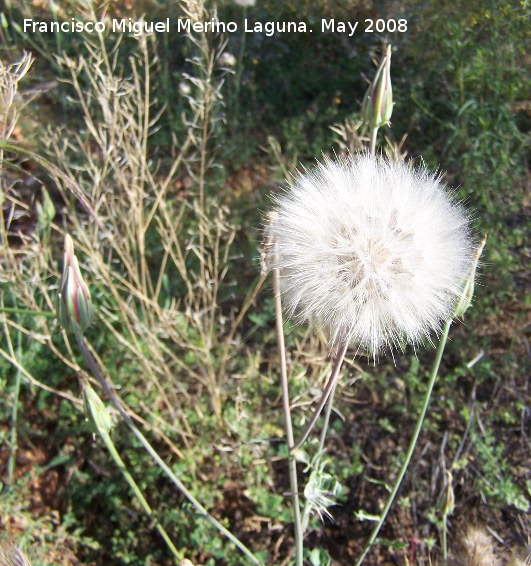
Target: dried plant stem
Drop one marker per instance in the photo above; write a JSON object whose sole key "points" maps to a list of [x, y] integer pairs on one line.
{"points": [[413, 442], [53, 170], [340, 356], [10, 355], [230, 336], [292, 464], [152, 452], [328, 395], [328, 399]]}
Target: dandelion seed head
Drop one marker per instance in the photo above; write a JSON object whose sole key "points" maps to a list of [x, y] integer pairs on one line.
{"points": [[375, 251]]}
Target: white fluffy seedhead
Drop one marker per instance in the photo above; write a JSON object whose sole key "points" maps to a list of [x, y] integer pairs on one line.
{"points": [[374, 251]]}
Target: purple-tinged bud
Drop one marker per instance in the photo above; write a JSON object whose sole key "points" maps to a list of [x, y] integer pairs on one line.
{"points": [[377, 105], [74, 305]]}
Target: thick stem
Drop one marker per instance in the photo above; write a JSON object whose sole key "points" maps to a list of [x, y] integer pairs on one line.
{"points": [[292, 464], [374, 136], [413, 442]]}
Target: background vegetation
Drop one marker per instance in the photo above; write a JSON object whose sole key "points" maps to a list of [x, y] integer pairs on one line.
{"points": [[176, 148]]}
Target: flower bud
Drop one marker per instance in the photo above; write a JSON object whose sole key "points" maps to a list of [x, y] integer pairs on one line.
{"points": [[96, 412], [378, 102], [74, 305], [468, 290]]}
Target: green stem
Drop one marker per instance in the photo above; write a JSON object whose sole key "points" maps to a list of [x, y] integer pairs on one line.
{"points": [[160, 462], [413, 442], [14, 310], [130, 480], [292, 464], [374, 136], [444, 539]]}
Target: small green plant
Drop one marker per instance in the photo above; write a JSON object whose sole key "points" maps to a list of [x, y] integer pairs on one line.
{"points": [[500, 487], [46, 539]]}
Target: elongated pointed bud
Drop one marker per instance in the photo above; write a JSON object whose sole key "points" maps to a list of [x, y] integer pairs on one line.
{"points": [[377, 105], [468, 291], [96, 412], [74, 305]]}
